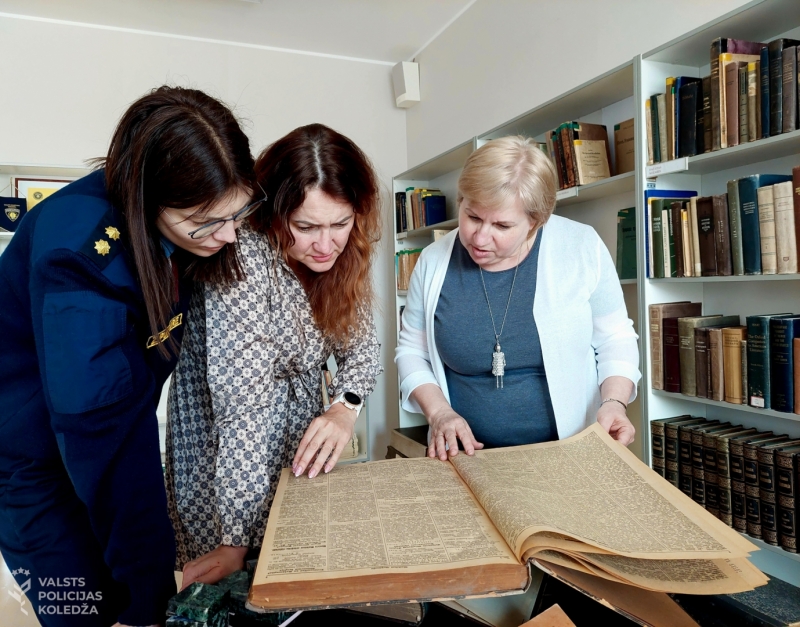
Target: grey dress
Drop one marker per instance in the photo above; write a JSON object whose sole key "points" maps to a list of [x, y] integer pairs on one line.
{"points": [[246, 387]]}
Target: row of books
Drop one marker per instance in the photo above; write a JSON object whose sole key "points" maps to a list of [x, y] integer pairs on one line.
{"points": [[751, 93], [746, 478], [404, 262], [418, 207], [716, 357], [752, 229], [626, 243], [581, 154]]}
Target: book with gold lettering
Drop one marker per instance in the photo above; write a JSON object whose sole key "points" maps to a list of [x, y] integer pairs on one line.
{"points": [[426, 529]]}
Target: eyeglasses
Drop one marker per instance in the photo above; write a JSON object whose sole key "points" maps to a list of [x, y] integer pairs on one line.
{"points": [[215, 225]]}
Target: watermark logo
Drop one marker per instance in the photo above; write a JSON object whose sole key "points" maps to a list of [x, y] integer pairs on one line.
{"points": [[19, 591]]}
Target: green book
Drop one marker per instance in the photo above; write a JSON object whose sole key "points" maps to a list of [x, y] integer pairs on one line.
{"points": [[735, 226], [656, 205]]}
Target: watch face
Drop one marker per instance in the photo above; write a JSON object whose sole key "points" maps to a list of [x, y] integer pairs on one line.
{"points": [[353, 399]]}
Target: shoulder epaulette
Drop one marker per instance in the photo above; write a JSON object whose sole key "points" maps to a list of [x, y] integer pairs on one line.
{"points": [[104, 242]]}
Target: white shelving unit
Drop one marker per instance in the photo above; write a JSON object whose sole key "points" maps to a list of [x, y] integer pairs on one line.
{"points": [[708, 174]]}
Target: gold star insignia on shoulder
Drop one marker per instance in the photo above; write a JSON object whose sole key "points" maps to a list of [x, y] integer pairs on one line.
{"points": [[112, 232], [102, 247]]}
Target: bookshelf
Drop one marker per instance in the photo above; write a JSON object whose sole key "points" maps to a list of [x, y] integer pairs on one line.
{"points": [[708, 174]]}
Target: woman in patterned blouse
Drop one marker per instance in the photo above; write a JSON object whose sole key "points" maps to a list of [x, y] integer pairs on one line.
{"points": [[245, 399]]}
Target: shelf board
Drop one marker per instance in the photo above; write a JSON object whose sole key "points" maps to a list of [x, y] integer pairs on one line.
{"points": [[759, 20], [775, 549], [21, 169], [775, 562], [744, 408], [438, 166], [606, 89], [425, 230], [729, 279], [5, 236], [594, 191], [628, 281]]}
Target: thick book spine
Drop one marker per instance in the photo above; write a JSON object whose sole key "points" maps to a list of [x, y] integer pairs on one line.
{"points": [[688, 97], [796, 373], [732, 363], [648, 121], [657, 447], [751, 234], [796, 198], [669, 103], [786, 497], [718, 46], [743, 370], [724, 474], [671, 355], [710, 471], [782, 332], [716, 362], [775, 87], [766, 226], [686, 241], [701, 361], [752, 102], [654, 123], [731, 103], [672, 456], [693, 227], [744, 130], [722, 235], [734, 219], [566, 143], [658, 237], [677, 238], [758, 360], [738, 507], [663, 129], [698, 469], [752, 496], [705, 227], [707, 123], [685, 460], [656, 315], [764, 96], [785, 242], [669, 242], [789, 86], [767, 483]]}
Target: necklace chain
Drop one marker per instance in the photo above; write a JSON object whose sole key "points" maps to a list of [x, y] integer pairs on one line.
{"points": [[508, 302]]}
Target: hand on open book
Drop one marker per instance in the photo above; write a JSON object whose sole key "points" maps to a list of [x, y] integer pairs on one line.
{"points": [[324, 441], [215, 565], [612, 417], [447, 427]]}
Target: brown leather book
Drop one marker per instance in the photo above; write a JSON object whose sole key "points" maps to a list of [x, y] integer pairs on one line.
{"points": [[705, 228], [677, 236], [701, 361], [752, 493], [686, 327], [598, 132], [736, 454], [787, 461], [789, 78], [722, 235], [658, 442], [732, 363], [796, 199], [707, 117], [657, 313], [732, 100], [724, 473], [672, 457], [685, 453], [698, 460], [716, 364], [671, 352], [766, 489], [566, 149], [710, 470]]}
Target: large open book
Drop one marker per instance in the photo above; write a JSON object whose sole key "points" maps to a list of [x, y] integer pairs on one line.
{"points": [[417, 529]]}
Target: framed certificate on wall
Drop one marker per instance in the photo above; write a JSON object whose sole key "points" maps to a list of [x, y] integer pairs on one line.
{"points": [[36, 189]]}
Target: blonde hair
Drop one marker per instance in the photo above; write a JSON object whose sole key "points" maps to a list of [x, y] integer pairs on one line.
{"points": [[512, 166]]}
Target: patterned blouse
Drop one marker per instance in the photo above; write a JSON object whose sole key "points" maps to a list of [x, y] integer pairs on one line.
{"points": [[246, 387]]}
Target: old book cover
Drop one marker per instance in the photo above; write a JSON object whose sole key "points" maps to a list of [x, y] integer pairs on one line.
{"points": [[710, 472], [566, 135], [752, 494], [655, 127], [657, 242], [736, 455], [648, 121], [789, 80], [670, 266], [743, 370], [764, 95], [744, 131], [782, 331], [698, 460], [670, 97], [686, 327], [766, 489], [785, 242], [689, 116], [624, 147], [796, 373], [432, 529], [686, 243], [753, 117], [775, 49], [777, 603], [734, 219], [722, 235], [586, 131], [750, 217], [658, 442], [796, 198], [707, 132], [786, 468], [671, 355], [695, 233], [732, 363], [758, 363], [730, 100], [706, 235], [766, 227], [663, 133], [718, 47], [701, 362], [724, 473], [672, 449], [591, 159], [716, 363], [657, 312], [685, 453]]}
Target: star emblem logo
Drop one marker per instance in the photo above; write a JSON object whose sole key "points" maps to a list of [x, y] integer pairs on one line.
{"points": [[21, 571], [102, 247], [112, 232]]}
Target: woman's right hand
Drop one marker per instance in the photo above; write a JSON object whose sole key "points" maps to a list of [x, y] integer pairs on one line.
{"points": [[447, 427]]}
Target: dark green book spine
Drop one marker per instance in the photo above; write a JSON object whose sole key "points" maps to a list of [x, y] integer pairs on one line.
{"points": [[656, 130], [658, 238], [781, 333]]}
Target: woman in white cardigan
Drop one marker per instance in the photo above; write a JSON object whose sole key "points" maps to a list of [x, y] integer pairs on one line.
{"points": [[515, 329]]}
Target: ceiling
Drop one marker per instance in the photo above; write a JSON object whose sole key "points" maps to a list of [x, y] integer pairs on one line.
{"points": [[379, 30]]}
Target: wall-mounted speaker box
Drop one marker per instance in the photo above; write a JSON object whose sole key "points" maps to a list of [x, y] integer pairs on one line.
{"points": [[405, 78]]}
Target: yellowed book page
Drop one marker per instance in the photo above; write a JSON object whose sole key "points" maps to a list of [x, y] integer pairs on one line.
{"points": [[594, 490], [766, 224], [785, 242], [694, 576], [391, 516]]}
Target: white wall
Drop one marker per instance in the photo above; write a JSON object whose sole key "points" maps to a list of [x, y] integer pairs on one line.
{"points": [[66, 86], [504, 57]]}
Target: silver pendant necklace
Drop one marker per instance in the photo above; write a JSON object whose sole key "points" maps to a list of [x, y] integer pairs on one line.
{"points": [[498, 356]]}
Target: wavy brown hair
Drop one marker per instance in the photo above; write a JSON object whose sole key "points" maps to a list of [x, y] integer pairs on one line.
{"points": [[177, 148], [317, 157]]}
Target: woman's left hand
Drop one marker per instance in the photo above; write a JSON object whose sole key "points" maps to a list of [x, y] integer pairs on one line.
{"points": [[214, 565], [612, 417], [324, 441]]}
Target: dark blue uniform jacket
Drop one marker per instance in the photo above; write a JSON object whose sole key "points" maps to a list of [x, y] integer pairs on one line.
{"points": [[79, 387]]}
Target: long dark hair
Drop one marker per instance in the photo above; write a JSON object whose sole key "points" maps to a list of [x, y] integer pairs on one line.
{"points": [[317, 157], [176, 148]]}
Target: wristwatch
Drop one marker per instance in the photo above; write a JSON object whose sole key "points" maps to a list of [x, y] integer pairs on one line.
{"points": [[351, 400]]}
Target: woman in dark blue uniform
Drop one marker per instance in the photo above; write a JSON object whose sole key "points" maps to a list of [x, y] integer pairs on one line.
{"points": [[94, 286]]}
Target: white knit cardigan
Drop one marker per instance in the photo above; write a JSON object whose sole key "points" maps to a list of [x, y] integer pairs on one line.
{"points": [[584, 329]]}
